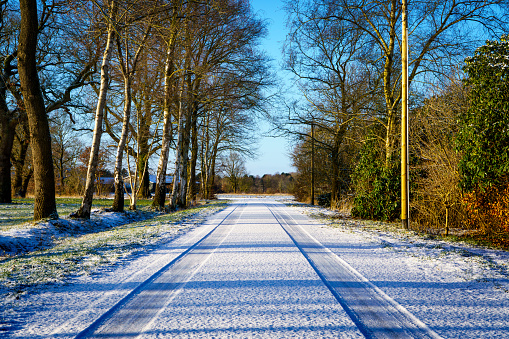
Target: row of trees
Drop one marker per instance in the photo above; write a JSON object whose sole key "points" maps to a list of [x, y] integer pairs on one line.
{"points": [[346, 57], [235, 178], [158, 77]]}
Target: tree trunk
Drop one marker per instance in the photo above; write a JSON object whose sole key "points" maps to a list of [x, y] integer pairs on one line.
{"points": [[128, 73], [174, 197], [7, 130], [143, 155], [179, 192], [191, 193], [143, 136], [21, 178], [336, 163], [61, 172], [205, 163], [160, 190], [18, 181], [24, 183], [390, 138], [390, 92], [86, 204], [185, 161], [212, 176], [334, 197], [8, 124], [144, 175], [212, 169], [118, 200], [312, 163], [40, 138]]}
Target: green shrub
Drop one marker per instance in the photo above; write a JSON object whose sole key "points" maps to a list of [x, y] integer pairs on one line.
{"points": [[377, 188]]}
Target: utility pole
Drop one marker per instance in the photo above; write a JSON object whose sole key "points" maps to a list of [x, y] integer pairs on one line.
{"points": [[313, 162], [405, 182]]}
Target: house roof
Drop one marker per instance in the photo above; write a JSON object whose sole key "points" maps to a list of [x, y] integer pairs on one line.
{"points": [[152, 178]]}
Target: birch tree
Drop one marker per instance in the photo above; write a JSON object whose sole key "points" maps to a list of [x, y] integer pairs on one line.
{"points": [[86, 204], [178, 194], [128, 68], [169, 92]]}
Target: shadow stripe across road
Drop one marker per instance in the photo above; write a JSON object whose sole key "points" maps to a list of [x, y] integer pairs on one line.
{"points": [[375, 314], [133, 313]]}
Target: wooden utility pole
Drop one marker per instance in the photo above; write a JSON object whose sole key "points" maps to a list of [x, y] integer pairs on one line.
{"points": [[405, 183]]}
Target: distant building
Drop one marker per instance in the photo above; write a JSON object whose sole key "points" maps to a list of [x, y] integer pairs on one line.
{"points": [[107, 184], [168, 183]]}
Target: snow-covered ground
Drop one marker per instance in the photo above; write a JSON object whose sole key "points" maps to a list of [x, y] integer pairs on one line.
{"points": [[458, 290], [257, 284], [55, 254], [35, 236]]}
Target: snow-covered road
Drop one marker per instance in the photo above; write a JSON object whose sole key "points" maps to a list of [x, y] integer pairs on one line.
{"points": [[257, 269], [244, 278]]}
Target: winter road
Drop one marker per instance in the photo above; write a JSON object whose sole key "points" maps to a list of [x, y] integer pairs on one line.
{"points": [[257, 272]]}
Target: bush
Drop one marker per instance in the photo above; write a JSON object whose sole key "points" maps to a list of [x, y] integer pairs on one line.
{"points": [[324, 199], [484, 136], [484, 140], [436, 203], [376, 188], [488, 212]]}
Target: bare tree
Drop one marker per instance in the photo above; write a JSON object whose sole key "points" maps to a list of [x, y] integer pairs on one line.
{"points": [[86, 204], [234, 169], [433, 140], [58, 71], [440, 34], [65, 147], [169, 93], [339, 90], [40, 138], [225, 128], [128, 68]]}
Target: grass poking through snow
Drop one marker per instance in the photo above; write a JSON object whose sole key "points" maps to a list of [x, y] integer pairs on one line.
{"points": [[83, 254]]}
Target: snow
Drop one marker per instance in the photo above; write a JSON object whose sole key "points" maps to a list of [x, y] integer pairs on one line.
{"points": [[89, 249], [30, 237], [257, 284], [456, 289]]}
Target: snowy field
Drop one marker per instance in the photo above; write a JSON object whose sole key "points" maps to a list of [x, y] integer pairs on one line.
{"points": [[254, 282]]}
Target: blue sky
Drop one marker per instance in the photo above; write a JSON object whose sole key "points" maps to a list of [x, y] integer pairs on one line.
{"points": [[273, 152]]}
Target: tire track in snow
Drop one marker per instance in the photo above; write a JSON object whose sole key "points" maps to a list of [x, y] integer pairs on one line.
{"points": [[129, 317], [375, 313]]}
